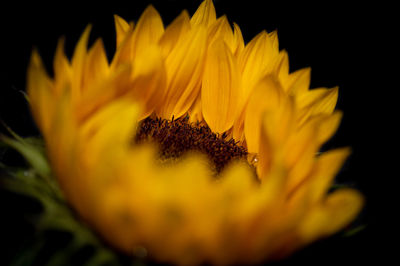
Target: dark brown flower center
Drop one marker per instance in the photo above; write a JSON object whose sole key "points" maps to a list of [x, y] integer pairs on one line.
{"points": [[178, 136]]}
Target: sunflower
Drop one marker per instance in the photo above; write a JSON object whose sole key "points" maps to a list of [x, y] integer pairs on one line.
{"points": [[190, 144]]}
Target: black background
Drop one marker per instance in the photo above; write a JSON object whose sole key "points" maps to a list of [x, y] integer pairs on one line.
{"points": [[337, 40]]}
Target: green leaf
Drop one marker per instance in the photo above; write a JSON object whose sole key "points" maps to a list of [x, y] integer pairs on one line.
{"points": [[31, 153]]}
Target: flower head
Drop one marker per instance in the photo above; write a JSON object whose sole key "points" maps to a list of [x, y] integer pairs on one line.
{"points": [[191, 143]]}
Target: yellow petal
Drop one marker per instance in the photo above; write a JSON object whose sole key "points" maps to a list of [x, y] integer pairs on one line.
{"points": [[195, 114], [333, 214], [62, 69], [116, 85], [276, 128], [326, 125], [299, 81], [205, 15], [265, 97], [221, 29], [220, 88], [299, 155], [96, 66], [149, 30], [78, 63], [149, 79], [121, 29], [326, 168], [238, 39], [39, 87], [316, 101], [184, 66], [111, 127], [124, 52], [257, 59], [274, 39], [174, 32]]}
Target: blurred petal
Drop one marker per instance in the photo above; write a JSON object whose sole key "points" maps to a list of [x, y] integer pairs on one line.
{"points": [[121, 29], [265, 97], [39, 87], [334, 213]]}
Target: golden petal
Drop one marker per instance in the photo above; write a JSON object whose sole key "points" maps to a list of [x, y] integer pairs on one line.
{"points": [[299, 81], [238, 39], [220, 88], [149, 30], [184, 66], [276, 128], [205, 15], [333, 214], [112, 127], [39, 87], [315, 102], [257, 59], [327, 125], [327, 165], [149, 79], [174, 32], [78, 64], [62, 69], [96, 65], [121, 29], [265, 97], [221, 29]]}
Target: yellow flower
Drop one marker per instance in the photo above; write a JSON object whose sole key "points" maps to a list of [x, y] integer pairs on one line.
{"points": [[124, 138]]}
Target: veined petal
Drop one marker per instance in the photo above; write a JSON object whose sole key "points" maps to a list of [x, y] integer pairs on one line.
{"points": [[221, 29], [257, 59], [265, 97], [184, 66], [220, 88], [205, 15]]}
